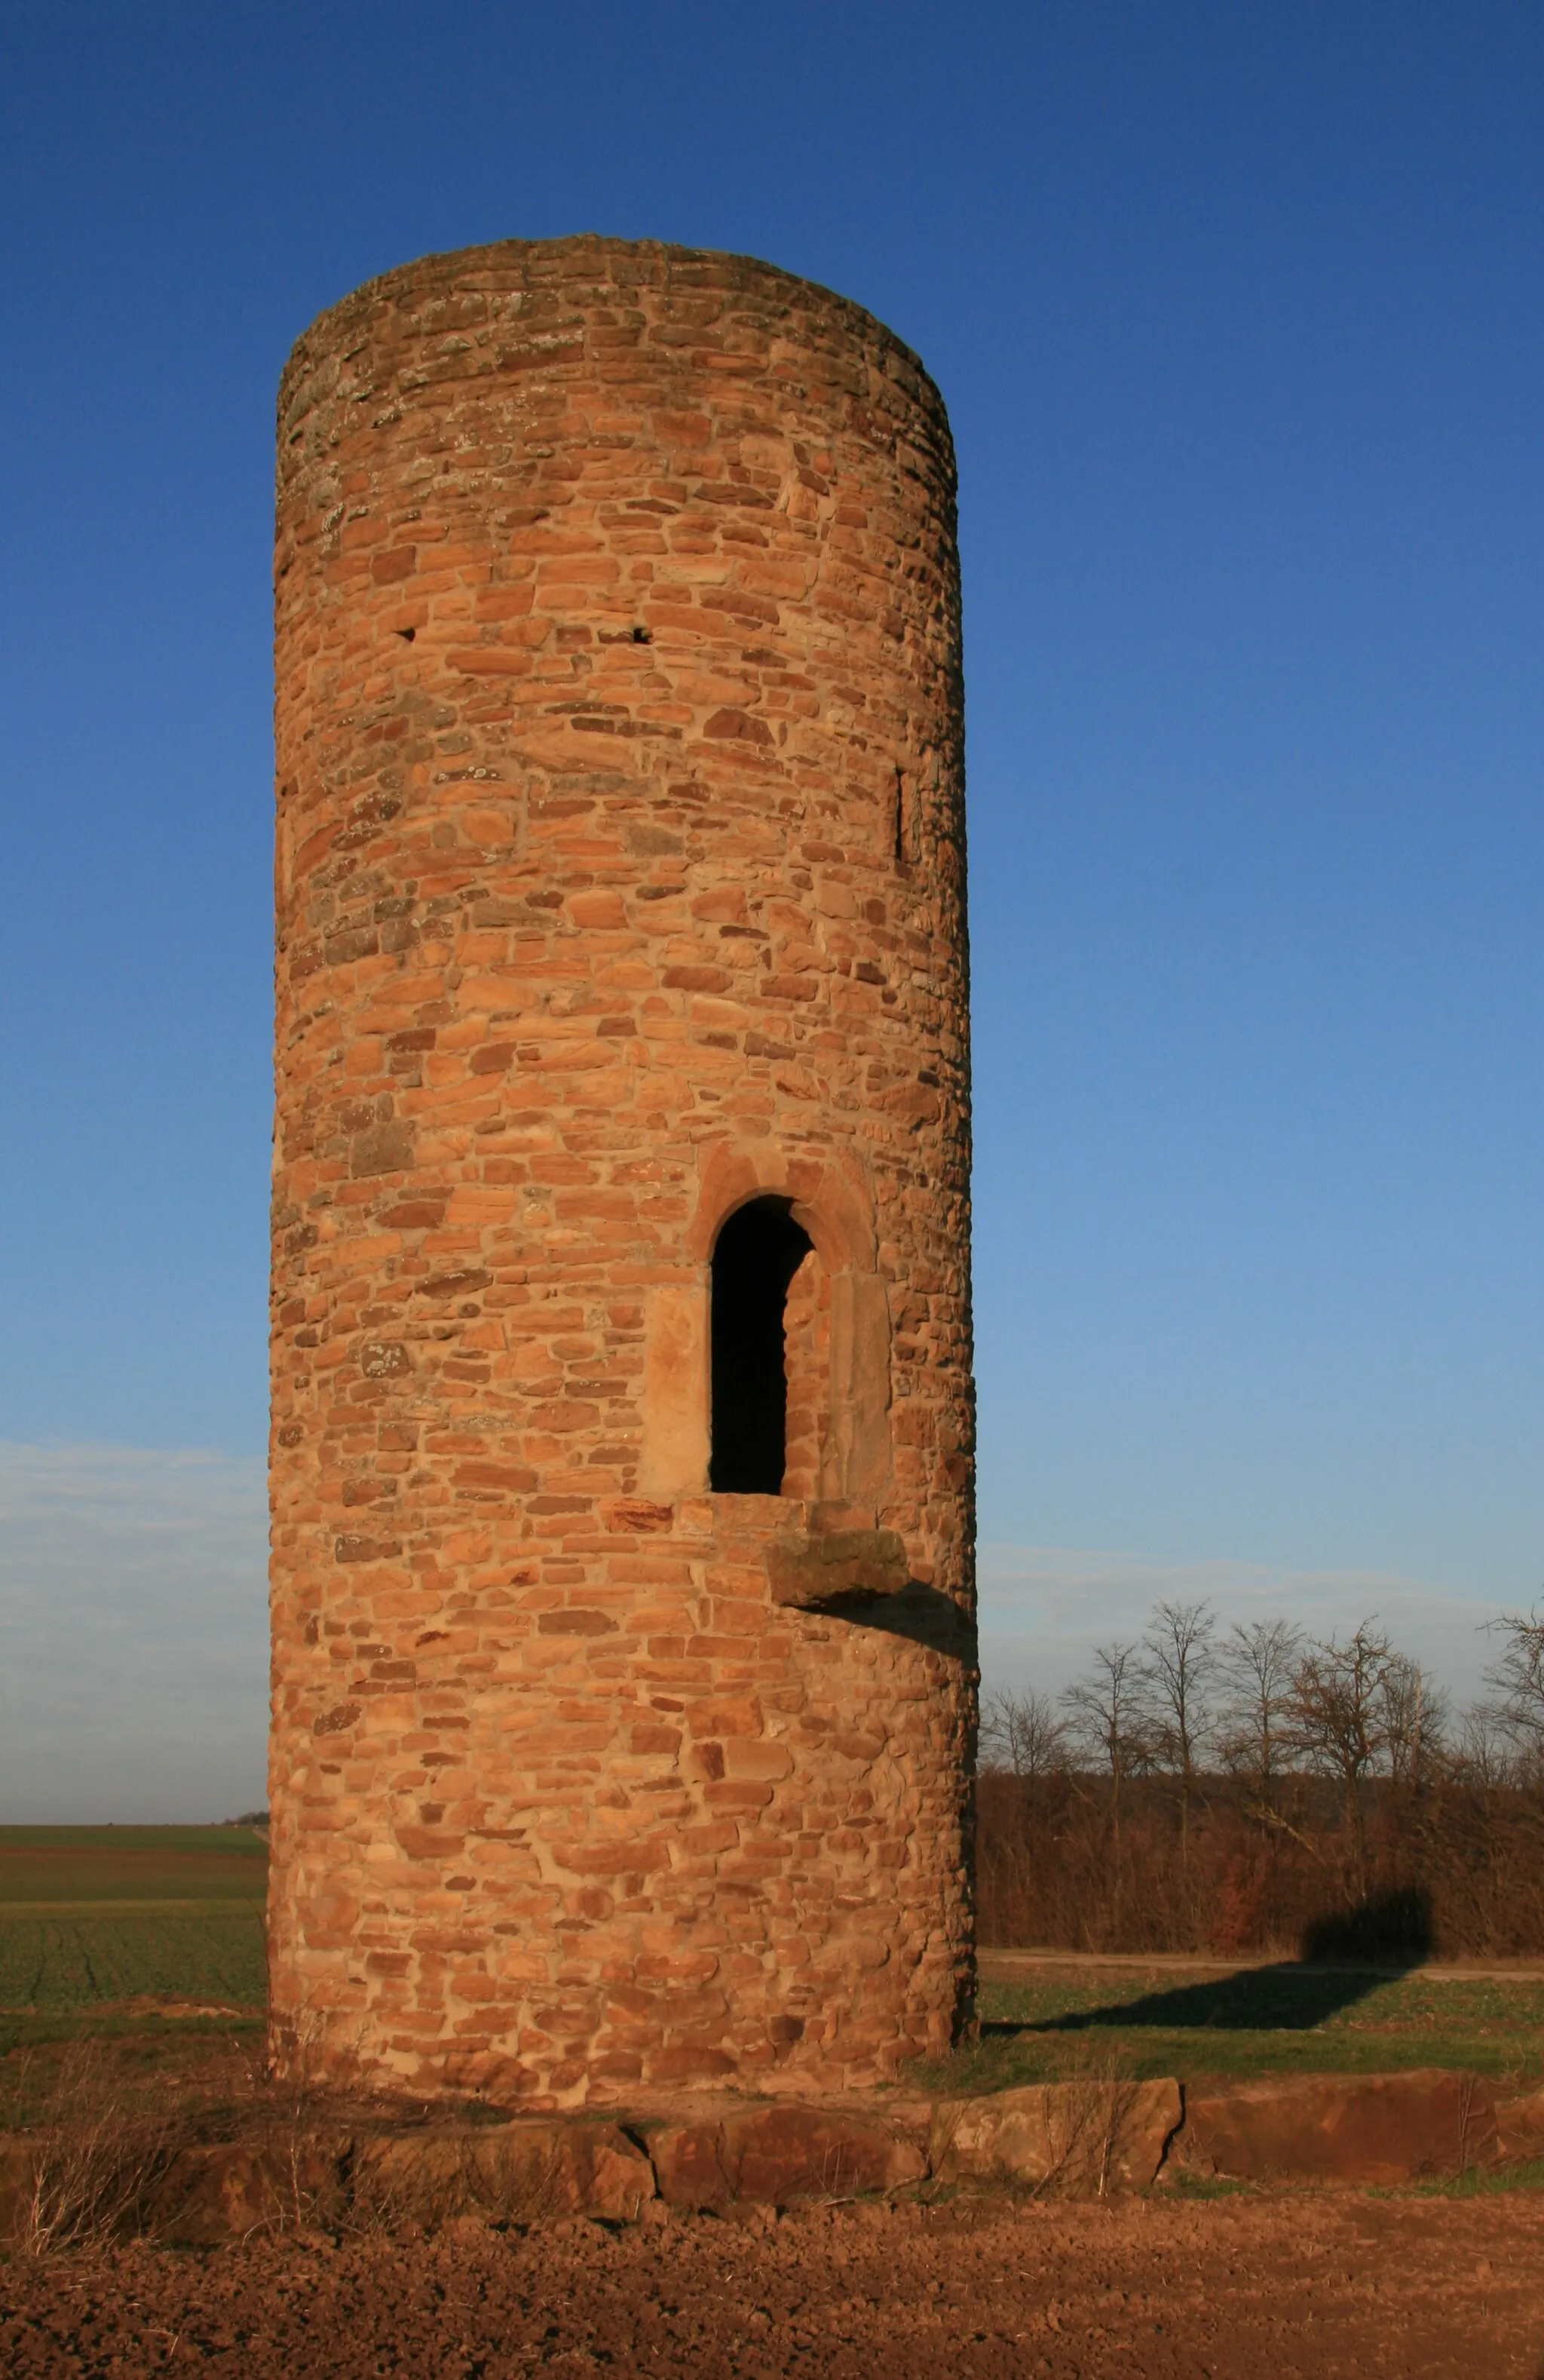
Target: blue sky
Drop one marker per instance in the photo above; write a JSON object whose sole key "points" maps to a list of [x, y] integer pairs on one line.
{"points": [[1236, 309]]}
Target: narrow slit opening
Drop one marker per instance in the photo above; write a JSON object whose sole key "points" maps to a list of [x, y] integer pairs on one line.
{"points": [[755, 1257]]}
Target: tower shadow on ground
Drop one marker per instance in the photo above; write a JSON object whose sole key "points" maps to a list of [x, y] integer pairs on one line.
{"points": [[1346, 1955]]}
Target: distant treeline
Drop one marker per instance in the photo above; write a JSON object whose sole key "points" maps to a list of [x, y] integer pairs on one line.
{"points": [[1258, 1790]]}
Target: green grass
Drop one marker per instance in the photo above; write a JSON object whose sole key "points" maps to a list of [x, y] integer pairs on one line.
{"points": [[1274, 2020], [1475, 2182], [94, 1916]]}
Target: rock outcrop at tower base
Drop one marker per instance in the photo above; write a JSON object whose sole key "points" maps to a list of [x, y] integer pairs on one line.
{"points": [[620, 886]]}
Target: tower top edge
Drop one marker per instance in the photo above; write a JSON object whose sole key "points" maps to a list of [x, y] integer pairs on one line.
{"points": [[505, 267]]}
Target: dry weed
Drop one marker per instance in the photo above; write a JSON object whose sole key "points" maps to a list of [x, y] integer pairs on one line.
{"points": [[98, 2150], [300, 2137], [424, 2183], [1086, 2115]]}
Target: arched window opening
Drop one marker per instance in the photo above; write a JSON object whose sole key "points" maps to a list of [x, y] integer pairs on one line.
{"points": [[756, 1254]]}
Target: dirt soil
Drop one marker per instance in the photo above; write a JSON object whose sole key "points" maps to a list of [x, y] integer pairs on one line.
{"points": [[1286, 2286]]}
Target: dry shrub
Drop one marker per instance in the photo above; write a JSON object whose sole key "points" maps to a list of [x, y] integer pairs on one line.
{"points": [[1073, 2135], [297, 2136], [91, 2152], [1086, 2120], [425, 2183], [1455, 1869], [95, 2151]]}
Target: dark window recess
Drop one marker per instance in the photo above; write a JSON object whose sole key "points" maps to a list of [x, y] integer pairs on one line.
{"points": [[757, 1253]]}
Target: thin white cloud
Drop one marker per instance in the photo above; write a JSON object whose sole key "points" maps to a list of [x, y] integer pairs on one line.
{"points": [[1044, 1607], [132, 1634]]}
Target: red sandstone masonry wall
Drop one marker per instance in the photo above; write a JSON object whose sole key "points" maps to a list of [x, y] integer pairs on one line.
{"points": [[619, 875]]}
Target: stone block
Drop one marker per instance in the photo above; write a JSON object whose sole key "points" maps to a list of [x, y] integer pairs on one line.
{"points": [[1428, 2123], [522, 2172], [813, 1569], [1084, 2138], [213, 2193], [780, 2156]]}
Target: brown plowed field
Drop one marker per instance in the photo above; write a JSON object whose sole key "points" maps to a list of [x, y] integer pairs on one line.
{"points": [[1263, 2288]]}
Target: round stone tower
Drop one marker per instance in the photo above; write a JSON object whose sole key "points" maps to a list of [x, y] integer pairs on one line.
{"points": [[622, 1595]]}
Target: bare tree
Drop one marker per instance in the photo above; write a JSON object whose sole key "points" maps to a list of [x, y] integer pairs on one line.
{"points": [[1257, 1664], [1022, 1734], [1416, 1716], [1180, 1674], [1106, 1711], [1339, 1721], [1516, 1678], [1486, 1753]]}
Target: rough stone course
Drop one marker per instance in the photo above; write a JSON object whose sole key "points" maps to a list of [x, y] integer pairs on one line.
{"points": [[324, 2164], [619, 879]]}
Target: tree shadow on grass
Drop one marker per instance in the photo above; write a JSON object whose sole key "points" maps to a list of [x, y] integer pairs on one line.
{"points": [[1346, 1955]]}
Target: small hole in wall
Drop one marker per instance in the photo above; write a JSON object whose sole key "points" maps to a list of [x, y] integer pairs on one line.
{"points": [[643, 636], [408, 635], [756, 1254]]}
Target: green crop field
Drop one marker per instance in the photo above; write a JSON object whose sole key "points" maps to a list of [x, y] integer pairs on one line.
{"points": [[1042, 2021], [130, 1863], [95, 1917]]}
